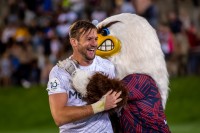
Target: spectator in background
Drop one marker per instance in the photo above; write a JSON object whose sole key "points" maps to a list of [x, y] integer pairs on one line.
{"points": [[45, 70], [35, 72], [22, 33], [192, 33], [166, 40], [148, 10], [8, 32], [175, 23], [123, 6], [78, 7], [55, 46], [98, 14], [194, 50], [127, 7], [196, 13], [181, 46], [5, 69], [2, 48], [64, 19]]}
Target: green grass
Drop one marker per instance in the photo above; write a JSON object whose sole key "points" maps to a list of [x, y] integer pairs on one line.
{"points": [[183, 108], [27, 110]]}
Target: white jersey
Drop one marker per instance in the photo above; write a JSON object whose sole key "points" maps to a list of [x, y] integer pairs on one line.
{"points": [[60, 82]]}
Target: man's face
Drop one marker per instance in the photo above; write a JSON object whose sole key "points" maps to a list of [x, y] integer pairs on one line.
{"points": [[87, 44]]}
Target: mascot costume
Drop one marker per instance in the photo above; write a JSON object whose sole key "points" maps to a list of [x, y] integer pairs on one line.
{"points": [[132, 45]]}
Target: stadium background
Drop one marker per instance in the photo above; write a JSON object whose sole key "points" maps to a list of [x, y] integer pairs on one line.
{"points": [[34, 36]]}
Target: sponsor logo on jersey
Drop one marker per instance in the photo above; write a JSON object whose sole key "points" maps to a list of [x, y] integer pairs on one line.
{"points": [[75, 94], [54, 85]]}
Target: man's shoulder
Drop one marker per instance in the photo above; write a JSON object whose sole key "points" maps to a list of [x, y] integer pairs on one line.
{"points": [[56, 70]]}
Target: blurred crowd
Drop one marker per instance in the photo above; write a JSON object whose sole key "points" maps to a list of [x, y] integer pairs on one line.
{"points": [[34, 33]]}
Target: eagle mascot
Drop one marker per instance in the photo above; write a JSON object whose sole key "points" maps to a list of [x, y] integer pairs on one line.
{"points": [[132, 45]]}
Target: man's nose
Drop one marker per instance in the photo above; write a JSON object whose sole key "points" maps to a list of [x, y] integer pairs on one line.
{"points": [[94, 43]]}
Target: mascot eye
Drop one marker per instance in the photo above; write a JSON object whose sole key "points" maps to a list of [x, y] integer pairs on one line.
{"points": [[105, 32]]}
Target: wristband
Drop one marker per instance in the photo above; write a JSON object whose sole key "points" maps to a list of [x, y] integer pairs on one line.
{"points": [[99, 106]]}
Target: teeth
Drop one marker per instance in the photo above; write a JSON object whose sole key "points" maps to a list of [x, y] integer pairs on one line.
{"points": [[106, 46]]}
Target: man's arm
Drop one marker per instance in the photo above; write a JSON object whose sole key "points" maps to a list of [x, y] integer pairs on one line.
{"points": [[63, 114]]}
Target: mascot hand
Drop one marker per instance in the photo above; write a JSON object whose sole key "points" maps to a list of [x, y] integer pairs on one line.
{"points": [[80, 80], [107, 102]]}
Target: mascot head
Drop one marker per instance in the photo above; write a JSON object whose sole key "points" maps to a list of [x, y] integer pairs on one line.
{"points": [[132, 45]]}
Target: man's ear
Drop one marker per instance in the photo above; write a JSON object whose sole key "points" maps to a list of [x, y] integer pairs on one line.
{"points": [[73, 42]]}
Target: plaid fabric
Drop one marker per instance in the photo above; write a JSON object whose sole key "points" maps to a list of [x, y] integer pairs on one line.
{"points": [[144, 112]]}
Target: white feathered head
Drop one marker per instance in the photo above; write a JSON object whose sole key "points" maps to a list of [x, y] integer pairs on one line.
{"points": [[132, 45]]}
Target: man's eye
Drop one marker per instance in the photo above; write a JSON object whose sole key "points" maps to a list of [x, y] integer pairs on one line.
{"points": [[105, 32]]}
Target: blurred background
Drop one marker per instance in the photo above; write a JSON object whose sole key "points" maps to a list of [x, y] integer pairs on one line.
{"points": [[34, 36]]}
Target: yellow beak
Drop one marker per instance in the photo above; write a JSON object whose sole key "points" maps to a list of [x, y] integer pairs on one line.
{"points": [[107, 46]]}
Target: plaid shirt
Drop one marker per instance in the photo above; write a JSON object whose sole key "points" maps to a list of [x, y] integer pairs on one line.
{"points": [[144, 112]]}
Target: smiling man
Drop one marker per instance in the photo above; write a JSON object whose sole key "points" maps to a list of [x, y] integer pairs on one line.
{"points": [[69, 111]]}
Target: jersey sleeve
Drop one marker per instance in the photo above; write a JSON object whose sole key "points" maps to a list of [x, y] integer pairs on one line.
{"points": [[57, 83]]}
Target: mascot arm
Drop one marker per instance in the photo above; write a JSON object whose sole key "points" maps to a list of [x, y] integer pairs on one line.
{"points": [[80, 80], [107, 101], [138, 86], [145, 100], [99, 85]]}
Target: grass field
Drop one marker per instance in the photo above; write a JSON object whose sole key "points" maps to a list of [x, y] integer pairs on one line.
{"points": [[27, 110]]}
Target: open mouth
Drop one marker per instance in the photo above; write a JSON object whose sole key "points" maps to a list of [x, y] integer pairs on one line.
{"points": [[106, 46], [91, 49]]}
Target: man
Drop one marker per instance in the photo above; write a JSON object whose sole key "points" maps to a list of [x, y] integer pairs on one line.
{"points": [[68, 109]]}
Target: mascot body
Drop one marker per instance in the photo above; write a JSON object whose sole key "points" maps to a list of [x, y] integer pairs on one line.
{"points": [[132, 45]]}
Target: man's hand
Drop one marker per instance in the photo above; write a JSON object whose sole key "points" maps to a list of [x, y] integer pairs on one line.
{"points": [[112, 98], [108, 101]]}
